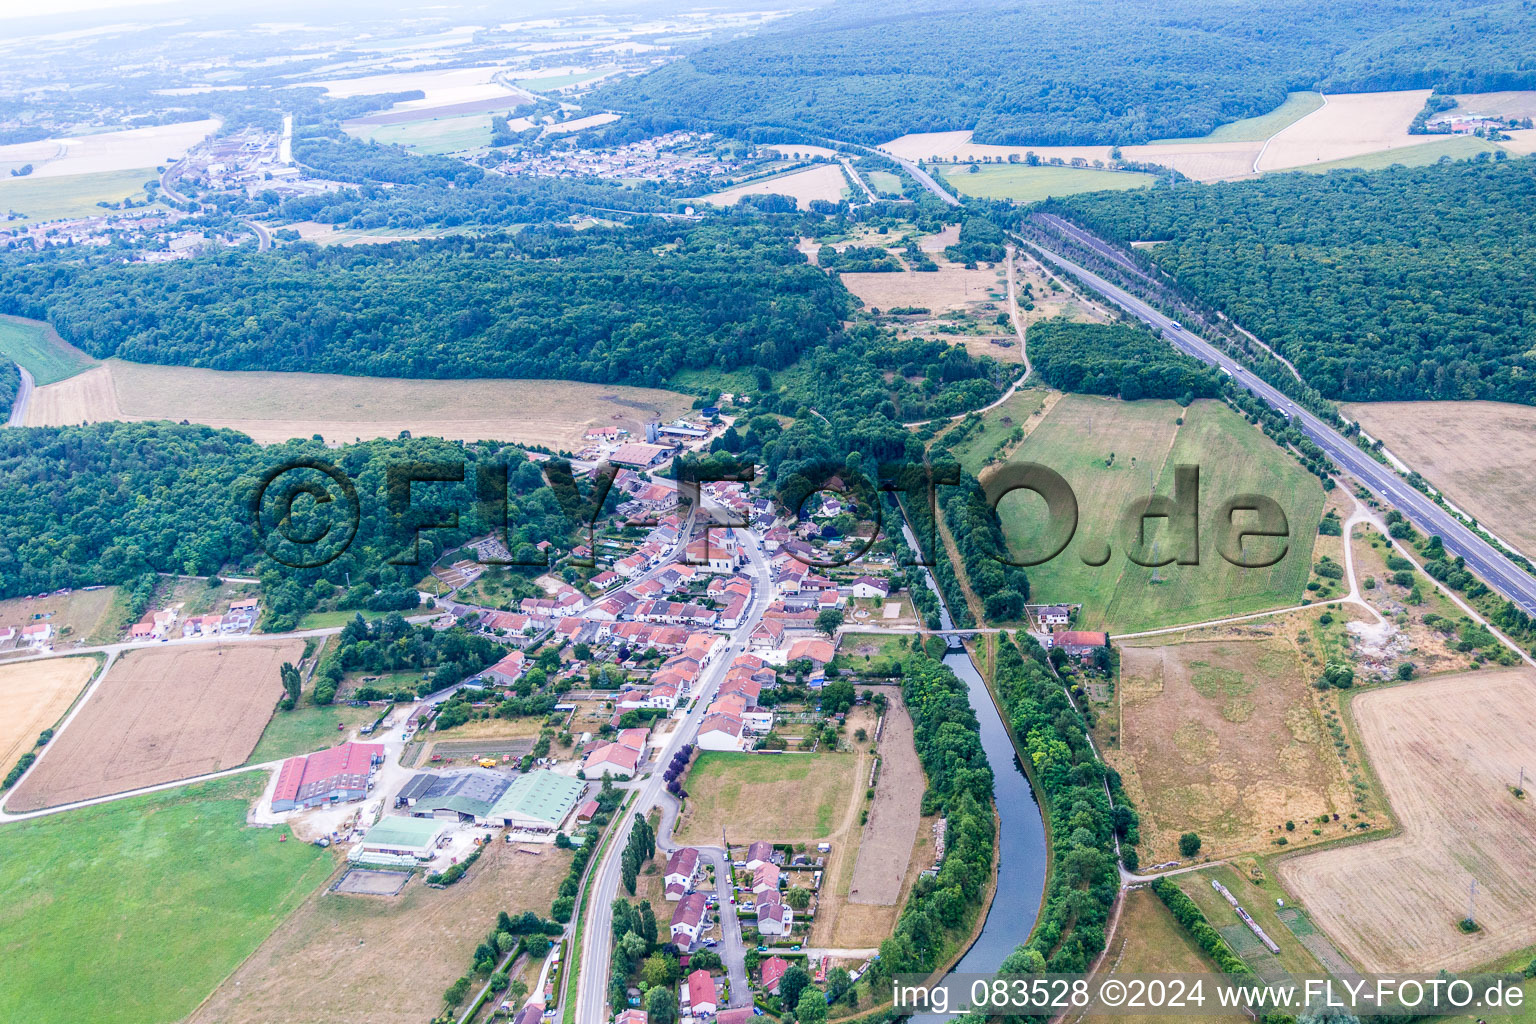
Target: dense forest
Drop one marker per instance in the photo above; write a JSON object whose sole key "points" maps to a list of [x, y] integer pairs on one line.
{"points": [[113, 502], [1122, 360], [10, 384], [630, 305], [1079, 71], [1407, 283]]}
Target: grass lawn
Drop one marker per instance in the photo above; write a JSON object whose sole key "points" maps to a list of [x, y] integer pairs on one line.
{"points": [[71, 195], [307, 729], [1256, 129], [38, 347], [1110, 452], [1026, 184], [788, 797], [1460, 147], [325, 620], [883, 181], [133, 911]]}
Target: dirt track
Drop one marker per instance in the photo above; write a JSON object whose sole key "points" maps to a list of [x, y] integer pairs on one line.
{"points": [[887, 844], [158, 716]]}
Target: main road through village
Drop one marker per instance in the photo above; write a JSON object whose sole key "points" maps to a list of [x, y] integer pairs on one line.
{"points": [[1484, 559], [597, 936]]}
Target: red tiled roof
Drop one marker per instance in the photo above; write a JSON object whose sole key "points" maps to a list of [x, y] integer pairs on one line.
{"points": [[302, 776], [773, 969], [701, 989]]}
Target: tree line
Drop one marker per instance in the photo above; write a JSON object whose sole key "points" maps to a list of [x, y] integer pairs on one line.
{"points": [[1121, 360], [1400, 284], [626, 305]]}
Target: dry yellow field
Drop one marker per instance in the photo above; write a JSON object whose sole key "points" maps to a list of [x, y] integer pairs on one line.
{"points": [[160, 715], [107, 151], [33, 697], [1478, 453], [1497, 104], [1447, 752], [581, 124], [337, 954], [1222, 739], [949, 287], [1202, 161], [273, 407], [1348, 125], [824, 181], [799, 151], [442, 87]]}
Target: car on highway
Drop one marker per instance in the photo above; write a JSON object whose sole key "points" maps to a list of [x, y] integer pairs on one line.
{"points": [[1175, 325]]}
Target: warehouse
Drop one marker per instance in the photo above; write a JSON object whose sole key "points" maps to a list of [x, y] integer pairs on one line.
{"points": [[331, 776], [454, 796], [396, 840], [538, 802]]}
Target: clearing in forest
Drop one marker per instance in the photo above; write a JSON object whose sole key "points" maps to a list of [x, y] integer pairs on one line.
{"points": [[275, 406], [1112, 453], [1448, 752], [161, 715], [1223, 739], [1348, 125], [1478, 453]]}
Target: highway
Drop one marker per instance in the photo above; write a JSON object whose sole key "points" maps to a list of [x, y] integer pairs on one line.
{"points": [[597, 936], [1485, 560]]}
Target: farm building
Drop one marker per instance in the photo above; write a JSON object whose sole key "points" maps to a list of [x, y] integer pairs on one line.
{"points": [[330, 776], [538, 802], [1077, 642], [638, 455], [399, 838], [454, 796]]}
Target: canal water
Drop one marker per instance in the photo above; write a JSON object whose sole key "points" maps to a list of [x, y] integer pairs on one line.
{"points": [[1021, 829]]}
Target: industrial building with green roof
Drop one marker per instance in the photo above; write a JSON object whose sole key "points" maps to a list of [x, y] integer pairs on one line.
{"points": [[400, 837], [540, 801]]}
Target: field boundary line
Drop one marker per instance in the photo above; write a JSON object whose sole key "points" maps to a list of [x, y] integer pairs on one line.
{"points": [[1265, 148]]}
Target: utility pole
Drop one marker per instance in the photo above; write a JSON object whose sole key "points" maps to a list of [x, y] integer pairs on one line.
{"points": [[1472, 903], [1520, 786]]}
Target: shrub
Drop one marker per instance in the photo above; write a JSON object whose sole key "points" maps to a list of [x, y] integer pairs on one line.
{"points": [[1189, 844]]}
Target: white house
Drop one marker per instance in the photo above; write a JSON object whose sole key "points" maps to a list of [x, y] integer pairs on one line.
{"points": [[721, 732], [687, 920], [682, 868]]}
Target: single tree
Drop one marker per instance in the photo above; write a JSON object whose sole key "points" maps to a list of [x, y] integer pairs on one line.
{"points": [[1189, 844]]}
